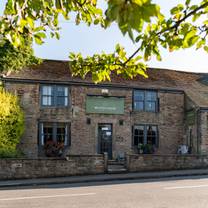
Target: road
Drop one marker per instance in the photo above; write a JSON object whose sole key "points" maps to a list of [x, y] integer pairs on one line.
{"points": [[181, 192]]}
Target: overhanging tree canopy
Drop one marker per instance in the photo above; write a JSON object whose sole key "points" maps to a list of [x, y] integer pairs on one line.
{"points": [[142, 20]]}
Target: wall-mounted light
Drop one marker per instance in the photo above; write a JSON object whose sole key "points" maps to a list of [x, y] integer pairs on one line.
{"points": [[105, 91], [121, 122], [88, 121]]}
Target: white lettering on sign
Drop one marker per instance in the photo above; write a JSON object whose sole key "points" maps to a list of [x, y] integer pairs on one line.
{"points": [[105, 128], [104, 108]]}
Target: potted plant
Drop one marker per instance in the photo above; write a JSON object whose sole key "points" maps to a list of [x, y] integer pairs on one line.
{"points": [[148, 149], [140, 148], [54, 149]]}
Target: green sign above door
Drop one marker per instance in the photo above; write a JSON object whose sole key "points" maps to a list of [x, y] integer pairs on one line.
{"points": [[104, 105]]}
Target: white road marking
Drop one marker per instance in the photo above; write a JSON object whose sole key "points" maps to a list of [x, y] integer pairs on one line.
{"points": [[45, 197], [186, 187]]}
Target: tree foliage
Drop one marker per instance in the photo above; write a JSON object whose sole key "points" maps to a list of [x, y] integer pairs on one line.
{"points": [[15, 59], [141, 20], [11, 124]]}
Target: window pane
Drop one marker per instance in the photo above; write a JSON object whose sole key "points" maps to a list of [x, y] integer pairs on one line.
{"points": [[60, 91], [136, 131], [61, 101], [150, 96], [150, 106], [138, 95], [139, 129], [136, 140], [141, 139], [139, 105], [66, 91], [47, 95], [145, 100], [66, 136], [46, 100], [152, 135], [41, 134], [138, 135], [47, 90], [54, 95], [62, 96], [61, 134], [47, 132], [66, 101]]}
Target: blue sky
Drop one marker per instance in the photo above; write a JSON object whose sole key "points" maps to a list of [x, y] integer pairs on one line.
{"points": [[93, 39]]}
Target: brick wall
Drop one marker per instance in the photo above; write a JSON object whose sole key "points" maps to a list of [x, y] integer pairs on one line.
{"points": [[204, 132], [84, 137], [169, 119], [138, 163], [40, 168]]}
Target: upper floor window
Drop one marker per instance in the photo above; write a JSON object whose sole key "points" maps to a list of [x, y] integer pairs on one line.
{"points": [[145, 100], [54, 95]]}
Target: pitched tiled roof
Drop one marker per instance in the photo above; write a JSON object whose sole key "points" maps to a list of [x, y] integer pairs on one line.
{"points": [[51, 70]]}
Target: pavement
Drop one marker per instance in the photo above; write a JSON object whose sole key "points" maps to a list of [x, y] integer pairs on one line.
{"points": [[102, 177]]}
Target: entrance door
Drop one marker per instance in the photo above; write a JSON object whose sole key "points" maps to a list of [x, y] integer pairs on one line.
{"points": [[105, 139]]}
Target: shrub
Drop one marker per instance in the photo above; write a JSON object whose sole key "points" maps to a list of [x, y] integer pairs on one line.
{"points": [[11, 124]]}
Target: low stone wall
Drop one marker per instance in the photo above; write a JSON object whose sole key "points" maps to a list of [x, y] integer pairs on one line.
{"points": [[51, 167], [136, 163]]}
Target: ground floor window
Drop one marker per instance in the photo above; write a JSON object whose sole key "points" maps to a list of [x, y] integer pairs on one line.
{"points": [[54, 137], [145, 137]]}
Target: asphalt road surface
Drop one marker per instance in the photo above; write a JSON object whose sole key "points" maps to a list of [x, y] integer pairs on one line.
{"points": [[181, 192]]}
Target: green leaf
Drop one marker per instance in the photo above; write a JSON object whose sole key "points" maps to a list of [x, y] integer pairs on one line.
{"points": [[205, 22], [206, 48], [174, 10], [200, 43], [10, 7], [138, 2], [177, 9], [96, 21], [187, 2], [38, 40], [190, 38], [180, 7], [40, 35], [37, 29], [193, 7], [57, 35], [59, 4], [196, 16]]}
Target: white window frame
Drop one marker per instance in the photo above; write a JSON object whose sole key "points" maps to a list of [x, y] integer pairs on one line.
{"points": [[53, 102]]}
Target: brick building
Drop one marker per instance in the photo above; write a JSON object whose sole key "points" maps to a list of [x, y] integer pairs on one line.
{"points": [[159, 113]]}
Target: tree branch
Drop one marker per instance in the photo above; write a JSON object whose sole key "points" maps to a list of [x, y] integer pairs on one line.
{"points": [[175, 26]]}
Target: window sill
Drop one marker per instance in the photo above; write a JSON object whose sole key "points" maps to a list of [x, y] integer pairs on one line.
{"points": [[140, 111], [55, 107]]}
